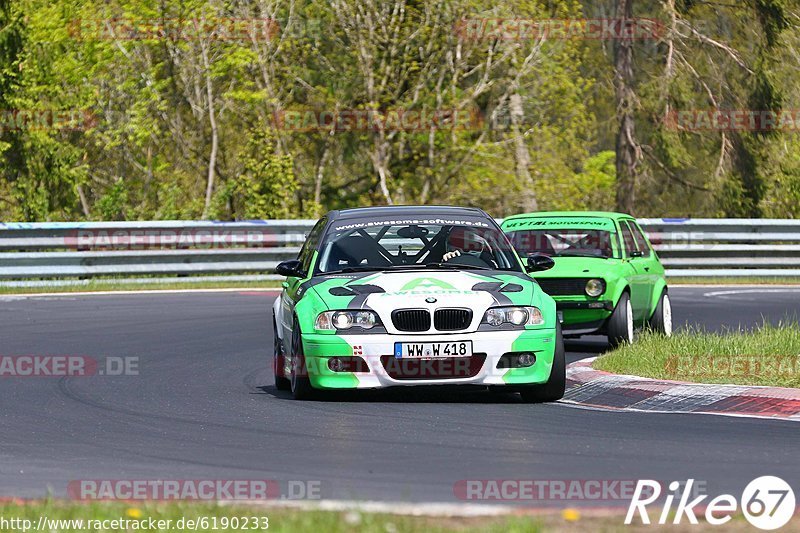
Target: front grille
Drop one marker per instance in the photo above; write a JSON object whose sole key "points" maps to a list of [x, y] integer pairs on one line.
{"points": [[439, 368], [563, 286], [451, 319], [411, 319]]}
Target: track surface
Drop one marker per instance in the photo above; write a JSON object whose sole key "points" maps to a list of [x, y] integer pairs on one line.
{"points": [[204, 407]]}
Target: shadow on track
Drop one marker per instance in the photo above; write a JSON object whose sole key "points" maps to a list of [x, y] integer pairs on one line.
{"points": [[415, 394]]}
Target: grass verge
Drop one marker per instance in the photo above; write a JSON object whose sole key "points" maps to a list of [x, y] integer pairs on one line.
{"points": [[768, 355], [215, 517], [186, 516]]}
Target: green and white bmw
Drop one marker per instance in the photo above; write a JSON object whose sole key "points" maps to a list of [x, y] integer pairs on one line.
{"points": [[399, 296]]}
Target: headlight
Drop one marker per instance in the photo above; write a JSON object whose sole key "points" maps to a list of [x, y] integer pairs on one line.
{"points": [[518, 316], [342, 320], [337, 320], [595, 287], [366, 319]]}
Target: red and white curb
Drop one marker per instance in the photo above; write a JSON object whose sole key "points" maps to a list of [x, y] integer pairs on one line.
{"points": [[594, 388]]}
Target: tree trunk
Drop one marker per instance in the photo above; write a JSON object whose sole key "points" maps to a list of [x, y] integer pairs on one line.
{"points": [[522, 159], [624, 96], [380, 160], [212, 118], [320, 176], [84, 202]]}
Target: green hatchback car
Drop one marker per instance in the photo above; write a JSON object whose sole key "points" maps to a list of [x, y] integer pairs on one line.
{"points": [[607, 278]]}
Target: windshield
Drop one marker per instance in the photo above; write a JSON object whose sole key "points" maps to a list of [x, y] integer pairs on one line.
{"points": [[372, 245], [564, 242]]}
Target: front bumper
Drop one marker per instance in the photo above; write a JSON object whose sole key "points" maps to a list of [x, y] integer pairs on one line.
{"points": [[583, 316], [384, 370], [607, 305]]}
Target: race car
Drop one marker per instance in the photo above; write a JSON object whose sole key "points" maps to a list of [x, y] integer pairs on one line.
{"points": [[403, 296], [607, 278]]}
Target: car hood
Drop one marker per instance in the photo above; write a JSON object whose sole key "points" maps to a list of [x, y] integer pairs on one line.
{"points": [[383, 292], [581, 267]]}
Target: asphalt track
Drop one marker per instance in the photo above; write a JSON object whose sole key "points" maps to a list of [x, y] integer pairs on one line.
{"points": [[204, 407]]}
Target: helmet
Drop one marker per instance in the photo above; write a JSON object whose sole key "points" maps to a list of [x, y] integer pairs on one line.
{"points": [[466, 240]]}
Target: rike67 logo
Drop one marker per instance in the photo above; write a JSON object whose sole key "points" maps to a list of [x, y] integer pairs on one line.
{"points": [[767, 502]]}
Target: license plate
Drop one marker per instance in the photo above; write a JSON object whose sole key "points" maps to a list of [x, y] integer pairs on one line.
{"points": [[432, 350]]}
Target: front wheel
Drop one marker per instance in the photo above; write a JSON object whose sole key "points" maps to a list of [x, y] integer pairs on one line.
{"points": [[300, 384], [281, 382], [557, 382], [661, 321], [620, 324]]}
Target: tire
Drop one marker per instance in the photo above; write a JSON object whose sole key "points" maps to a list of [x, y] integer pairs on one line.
{"points": [[620, 323], [281, 382], [661, 321], [557, 382], [300, 384]]}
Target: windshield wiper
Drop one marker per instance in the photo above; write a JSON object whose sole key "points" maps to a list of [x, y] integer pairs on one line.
{"points": [[457, 266], [413, 266], [362, 268]]}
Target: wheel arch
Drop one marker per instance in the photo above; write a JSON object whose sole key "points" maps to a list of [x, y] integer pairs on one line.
{"points": [[659, 289], [621, 286], [277, 316]]}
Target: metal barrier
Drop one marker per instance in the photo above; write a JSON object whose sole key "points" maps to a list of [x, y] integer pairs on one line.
{"points": [[716, 247], [58, 250], [688, 247]]}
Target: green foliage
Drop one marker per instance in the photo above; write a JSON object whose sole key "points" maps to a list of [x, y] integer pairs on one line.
{"points": [[161, 104], [267, 186], [773, 16], [113, 205]]}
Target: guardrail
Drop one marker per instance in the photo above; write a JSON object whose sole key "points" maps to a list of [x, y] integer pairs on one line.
{"points": [[688, 247], [714, 247]]}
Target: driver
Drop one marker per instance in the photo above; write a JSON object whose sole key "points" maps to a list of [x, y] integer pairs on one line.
{"points": [[462, 240]]}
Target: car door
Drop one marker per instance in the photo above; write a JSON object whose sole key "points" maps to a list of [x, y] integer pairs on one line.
{"points": [[651, 265], [293, 286], [636, 272]]}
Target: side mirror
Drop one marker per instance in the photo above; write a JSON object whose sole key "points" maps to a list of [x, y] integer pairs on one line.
{"points": [[540, 262], [637, 253], [290, 269]]}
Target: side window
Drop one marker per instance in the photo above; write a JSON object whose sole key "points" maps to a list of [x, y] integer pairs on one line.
{"points": [[628, 241], [641, 240], [307, 251]]}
